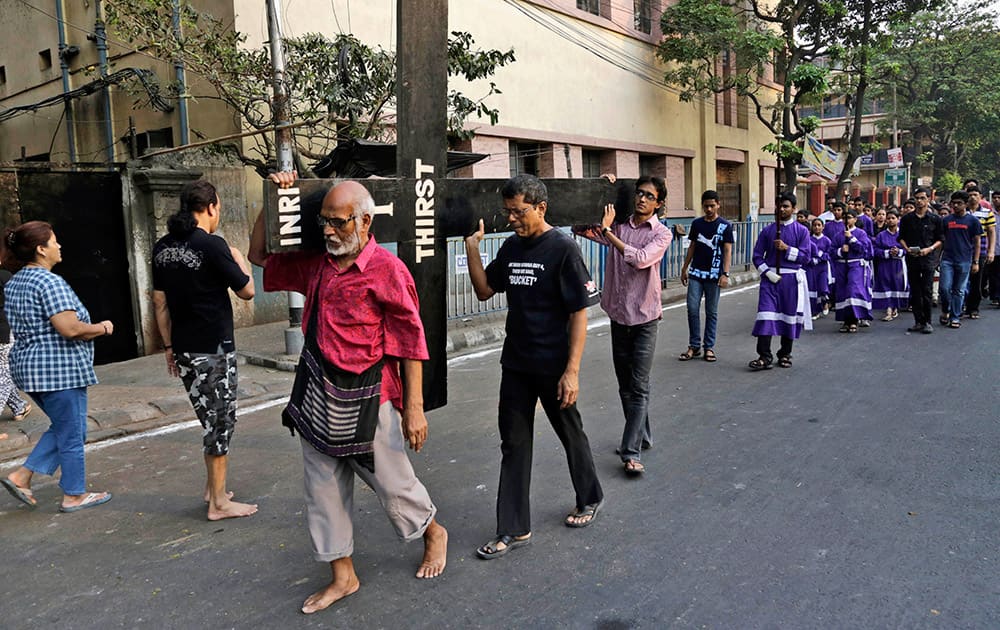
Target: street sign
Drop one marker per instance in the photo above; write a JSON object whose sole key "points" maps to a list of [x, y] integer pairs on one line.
{"points": [[895, 177]]}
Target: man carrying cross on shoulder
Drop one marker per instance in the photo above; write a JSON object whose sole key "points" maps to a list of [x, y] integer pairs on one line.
{"points": [[362, 325]]}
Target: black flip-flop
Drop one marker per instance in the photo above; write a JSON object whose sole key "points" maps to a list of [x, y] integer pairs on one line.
{"points": [[591, 510], [21, 494], [485, 552]]}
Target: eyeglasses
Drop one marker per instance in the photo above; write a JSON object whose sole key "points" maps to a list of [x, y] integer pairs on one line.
{"points": [[335, 222], [517, 212], [645, 194]]}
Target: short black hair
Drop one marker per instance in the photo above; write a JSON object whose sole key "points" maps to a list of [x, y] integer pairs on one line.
{"points": [[857, 199], [893, 212], [709, 194], [658, 184], [973, 189], [531, 187], [787, 196], [850, 213], [970, 181], [910, 202], [921, 189], [839, 204], [960, 195]]}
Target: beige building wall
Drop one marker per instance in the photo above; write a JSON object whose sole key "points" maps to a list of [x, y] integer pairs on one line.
{"points": [[29, 37]]}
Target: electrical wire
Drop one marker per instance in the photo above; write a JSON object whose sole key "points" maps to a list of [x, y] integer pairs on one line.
{"points": [[145, 77]]}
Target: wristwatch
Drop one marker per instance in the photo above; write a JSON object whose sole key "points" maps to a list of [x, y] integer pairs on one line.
{"points": [[605, 230], [725, 273]]}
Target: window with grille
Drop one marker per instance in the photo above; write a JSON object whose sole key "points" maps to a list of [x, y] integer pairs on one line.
{"points": [[524, 158], [643, 15]]}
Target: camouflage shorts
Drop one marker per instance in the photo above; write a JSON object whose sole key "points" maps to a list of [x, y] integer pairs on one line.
{"points": [[210, 380]]}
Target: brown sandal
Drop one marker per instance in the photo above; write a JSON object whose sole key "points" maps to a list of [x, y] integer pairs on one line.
{"points": [[710, 355], [689, 354]]}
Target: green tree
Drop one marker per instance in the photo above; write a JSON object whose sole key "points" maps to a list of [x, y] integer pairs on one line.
{"points": [[341, 88], [796, 42], [943, 71]]}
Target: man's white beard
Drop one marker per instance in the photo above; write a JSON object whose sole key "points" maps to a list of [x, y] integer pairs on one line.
{"points": [[347, 247]]}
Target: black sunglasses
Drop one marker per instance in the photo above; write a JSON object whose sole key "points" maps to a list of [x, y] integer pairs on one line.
{"points": [[335, 222]]}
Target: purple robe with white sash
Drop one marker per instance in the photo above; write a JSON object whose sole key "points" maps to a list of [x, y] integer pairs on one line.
{"points": [[783, 307], [818, 273], [891, 288], [852, 272]]}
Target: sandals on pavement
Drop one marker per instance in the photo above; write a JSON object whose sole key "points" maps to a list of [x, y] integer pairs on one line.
{"points": [[23, 414], [23, 495], [710, 355], [492, 550], [689, 354], [588, 512], [974, 315], [955, 325], [785, 361], [944, 319], [92, 499], [760, 363], [634, 468]]}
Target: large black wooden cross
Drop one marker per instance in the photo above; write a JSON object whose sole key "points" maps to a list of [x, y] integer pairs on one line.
{"points": [[420, 209]]}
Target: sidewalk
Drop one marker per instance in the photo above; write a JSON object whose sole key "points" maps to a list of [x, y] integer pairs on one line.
{"points": [[138, 395]]}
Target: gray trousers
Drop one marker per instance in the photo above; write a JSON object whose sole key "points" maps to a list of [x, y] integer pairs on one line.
{"points": [[329, 485]]}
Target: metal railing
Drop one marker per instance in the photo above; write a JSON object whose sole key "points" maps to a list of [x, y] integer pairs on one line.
{"points": [[463, 303]]}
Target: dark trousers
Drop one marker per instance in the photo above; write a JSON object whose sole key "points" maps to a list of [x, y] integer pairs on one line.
{"points": [[764, 347], [632, 348], [519, 393], [993, 271], [975, 295], [920, 272]]}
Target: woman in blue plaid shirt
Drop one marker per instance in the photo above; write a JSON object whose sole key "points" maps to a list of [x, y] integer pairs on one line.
{"points": [[52, 361]]}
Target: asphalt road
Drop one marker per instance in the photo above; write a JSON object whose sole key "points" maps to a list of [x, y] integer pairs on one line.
{"points": [[858, 489]]}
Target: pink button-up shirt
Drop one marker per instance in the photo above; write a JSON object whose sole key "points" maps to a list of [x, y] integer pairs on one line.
{"points": [[631, 293]]}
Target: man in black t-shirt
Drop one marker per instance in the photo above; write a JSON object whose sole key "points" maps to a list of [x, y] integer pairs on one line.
{"points": [[548, 291], [193, 271], [921, 234]]}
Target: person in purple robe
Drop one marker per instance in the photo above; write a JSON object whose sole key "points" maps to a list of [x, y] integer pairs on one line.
{"points": [[783, 301], [818, 272], [831, 227], [891, 290], [851, 253]]}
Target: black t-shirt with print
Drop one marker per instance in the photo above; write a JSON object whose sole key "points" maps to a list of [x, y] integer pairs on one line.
{"points": [[196, 273], [545, 281]]}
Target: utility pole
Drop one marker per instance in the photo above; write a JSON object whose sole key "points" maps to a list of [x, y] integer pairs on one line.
{"points": [[283, 148]]}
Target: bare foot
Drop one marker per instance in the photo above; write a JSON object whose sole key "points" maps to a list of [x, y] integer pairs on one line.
{"points": [[3, 436], [208, 495], [333, 592], [231, 509], [435, 551]]}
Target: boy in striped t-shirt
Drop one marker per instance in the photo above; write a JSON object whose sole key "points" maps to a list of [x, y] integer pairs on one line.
{"points": [[987, 244]]}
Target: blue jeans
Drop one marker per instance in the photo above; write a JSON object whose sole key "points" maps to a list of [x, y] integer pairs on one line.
{"points": [[952, 286], [62, 445], [632, 349], [698, 287]]}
